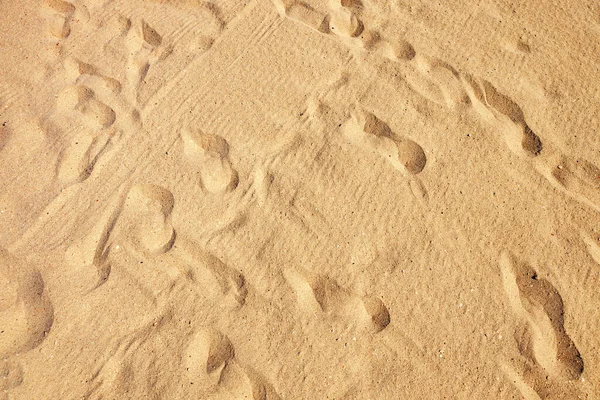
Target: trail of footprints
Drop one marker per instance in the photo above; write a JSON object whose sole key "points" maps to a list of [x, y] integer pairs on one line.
{"points": [[143, 218], [99, 106], [543, 341], [440, 83]]}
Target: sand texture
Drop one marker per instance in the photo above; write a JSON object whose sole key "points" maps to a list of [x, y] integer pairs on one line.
{"points": [[299, 199]]}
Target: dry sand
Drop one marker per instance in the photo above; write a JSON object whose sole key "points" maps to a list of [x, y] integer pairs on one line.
{"points": [[281, 199]]}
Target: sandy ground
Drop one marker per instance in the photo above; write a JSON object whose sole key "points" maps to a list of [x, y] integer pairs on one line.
{"points": [[281, 199]]}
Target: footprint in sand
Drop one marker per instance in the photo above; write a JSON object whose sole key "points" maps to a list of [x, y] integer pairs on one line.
{"points": [[140, 220], [578, 178], [365, 130], [89, 104], [395, 50], [210, 364], [318, 293], [545, 340], [338, 18], [80, 105], [145, 221], [210, 154], [342, 19], [88, 255], [215, 278], [432, 78], [435, 80], [58, 16], [493, 104], [145, 47], [26, 315], [82, 99], [212, 24], [304, 13], [78, 71]]}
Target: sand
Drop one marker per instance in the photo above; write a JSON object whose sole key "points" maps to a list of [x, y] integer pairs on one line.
{"points": [[285, 199]]}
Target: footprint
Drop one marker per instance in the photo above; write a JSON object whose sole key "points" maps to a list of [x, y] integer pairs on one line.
{"points": [[519, 136], [78, 70], [342, 21], [317, 293], [145, 222], [26, 316], [210, 154], [212, 25], [538, 303], [395, 50], [369, 132], [78, 160], [59, 15], [145, 47], [436, 81], [209, 361], [304, 13], [88, 255], [89, 104], [215, 277], [578, 178], [83, 99], [206, 356]]}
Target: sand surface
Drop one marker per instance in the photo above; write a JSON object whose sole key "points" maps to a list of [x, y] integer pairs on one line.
{"points": [[285, 199]]}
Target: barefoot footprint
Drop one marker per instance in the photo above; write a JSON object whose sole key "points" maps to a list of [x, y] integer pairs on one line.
{"points": [[317, 293], [214, 277], [59, 17], [82, 99], [577, 178], [342, 21], [210, 154], [490, 102], [209, 362], [369, 132], [78, 106], [146, 47], [538, 303], [145, 221], [26, 315]]}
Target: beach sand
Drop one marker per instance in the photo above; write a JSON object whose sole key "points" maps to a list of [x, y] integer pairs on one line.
{"points": [[285, 199]]}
